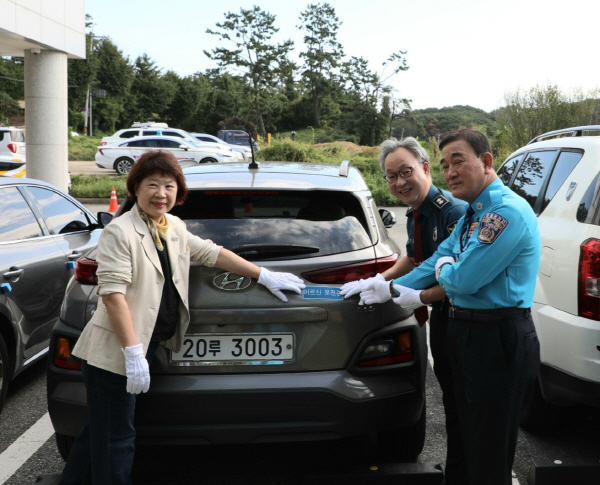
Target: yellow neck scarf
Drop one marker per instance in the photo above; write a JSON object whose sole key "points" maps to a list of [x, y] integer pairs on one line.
{"points": [[158, 230]]}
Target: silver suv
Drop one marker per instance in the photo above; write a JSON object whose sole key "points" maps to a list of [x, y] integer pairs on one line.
{"points": [[559, 174], [12, 147], [253, 369]]}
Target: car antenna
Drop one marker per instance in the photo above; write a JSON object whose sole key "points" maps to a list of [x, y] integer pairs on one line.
{"points": [[253, 163]]}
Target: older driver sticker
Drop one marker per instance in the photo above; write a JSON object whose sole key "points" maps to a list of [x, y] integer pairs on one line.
{"points": [[491, 226]]}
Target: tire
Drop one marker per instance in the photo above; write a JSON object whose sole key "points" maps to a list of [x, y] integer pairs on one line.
{"points": [[208, 160], [64, 444], [536, 413], [123, 165], [403, 445], [4, 371]]}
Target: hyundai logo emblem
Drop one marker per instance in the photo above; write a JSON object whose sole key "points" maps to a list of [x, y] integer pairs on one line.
{"points": [[231, 282]]}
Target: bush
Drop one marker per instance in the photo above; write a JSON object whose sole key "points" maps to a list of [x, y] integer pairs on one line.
{"points": [[289, 151]]}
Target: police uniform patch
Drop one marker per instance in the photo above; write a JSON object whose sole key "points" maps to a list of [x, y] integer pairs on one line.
{"points": [[492, 226], [450, 227], [440, 201]]}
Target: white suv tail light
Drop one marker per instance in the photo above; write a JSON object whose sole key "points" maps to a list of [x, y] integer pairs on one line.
{"points": [[589, 280]]}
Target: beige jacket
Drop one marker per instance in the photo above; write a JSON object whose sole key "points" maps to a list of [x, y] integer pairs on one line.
{"points": [[128, 264]]}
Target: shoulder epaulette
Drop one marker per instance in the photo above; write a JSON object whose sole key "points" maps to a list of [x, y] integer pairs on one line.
{"points": [[440, 201]]}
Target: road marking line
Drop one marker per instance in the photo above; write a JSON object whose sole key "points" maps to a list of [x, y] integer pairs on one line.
{"points": [[24, 447]]}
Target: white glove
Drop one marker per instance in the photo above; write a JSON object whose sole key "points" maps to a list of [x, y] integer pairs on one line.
{"points": [[409, 298], [276, 282], [136, 368], [441, 262], [355, 287], [378, 292]]}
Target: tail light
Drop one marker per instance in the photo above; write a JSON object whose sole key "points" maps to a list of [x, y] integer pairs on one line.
{"points": [[388, 351], [350, 272], [62, 354], [589, 280], [102, 143], [100, 151], [12, 147], [85, 271]]}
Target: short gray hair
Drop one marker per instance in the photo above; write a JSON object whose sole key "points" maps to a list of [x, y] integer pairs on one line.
{"points": [[409, 143]]}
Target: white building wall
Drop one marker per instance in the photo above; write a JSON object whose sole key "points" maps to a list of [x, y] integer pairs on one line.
{"points": [[45, 33], [48, 24]]}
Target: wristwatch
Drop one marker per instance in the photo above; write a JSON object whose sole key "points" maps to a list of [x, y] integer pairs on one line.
{"points": [[393, 291], [439, 270]]}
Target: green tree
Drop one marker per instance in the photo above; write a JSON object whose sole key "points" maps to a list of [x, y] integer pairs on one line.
{"points": [[114, 74], [323, 52], [545, 108], [365, 113], [251, 32], [153, 92], [12, 75]]}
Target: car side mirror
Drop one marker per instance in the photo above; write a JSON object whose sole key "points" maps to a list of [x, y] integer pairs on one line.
{"points": [[183, 147], [388, 217], [104, 218]]}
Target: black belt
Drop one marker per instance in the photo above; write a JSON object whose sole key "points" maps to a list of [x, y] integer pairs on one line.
{"points": [[487, 316]]}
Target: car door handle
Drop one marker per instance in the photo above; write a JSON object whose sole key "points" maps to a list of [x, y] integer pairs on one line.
{"points": [[13, 273], [74, 256]]}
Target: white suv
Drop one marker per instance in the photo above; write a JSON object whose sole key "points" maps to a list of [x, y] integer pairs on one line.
{"points": [[12, 147], [558, 173]]}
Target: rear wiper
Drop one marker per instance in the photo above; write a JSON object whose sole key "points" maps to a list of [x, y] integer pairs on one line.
{"points": [[250, 251]]}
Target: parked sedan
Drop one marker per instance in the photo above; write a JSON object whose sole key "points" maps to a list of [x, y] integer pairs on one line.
{"points": [[121, 156], [253, 369], [43, 232]]}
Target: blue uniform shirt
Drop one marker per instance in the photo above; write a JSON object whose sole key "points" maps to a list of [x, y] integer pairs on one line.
{"points": [[440, 213], [497, 264]]}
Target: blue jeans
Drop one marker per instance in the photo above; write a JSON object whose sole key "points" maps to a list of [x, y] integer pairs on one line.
{"points": [[102, 453]]}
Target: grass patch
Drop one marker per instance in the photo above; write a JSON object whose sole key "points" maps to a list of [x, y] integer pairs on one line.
{"points": [[97, 186], [83, 148]]}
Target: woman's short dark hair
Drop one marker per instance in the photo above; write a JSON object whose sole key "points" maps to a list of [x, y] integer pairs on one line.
{"points": [[478, 141], [156, 161]]}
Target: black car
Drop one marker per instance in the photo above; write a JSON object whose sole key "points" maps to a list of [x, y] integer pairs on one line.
{"points": [[43, 231]]}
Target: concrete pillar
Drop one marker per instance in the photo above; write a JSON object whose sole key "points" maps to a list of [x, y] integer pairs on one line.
{"points": [[46, 116]]}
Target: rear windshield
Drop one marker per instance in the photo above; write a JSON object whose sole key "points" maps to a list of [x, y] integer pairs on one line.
{"points": [[17, 136], [261, 225]]}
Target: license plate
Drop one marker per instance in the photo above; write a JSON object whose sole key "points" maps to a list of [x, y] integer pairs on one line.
{"points": [[235, 349]]}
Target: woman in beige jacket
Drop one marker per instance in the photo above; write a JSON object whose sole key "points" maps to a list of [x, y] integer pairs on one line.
{"points": [[143, 274]]}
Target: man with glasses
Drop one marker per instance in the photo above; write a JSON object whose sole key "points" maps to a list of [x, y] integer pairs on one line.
{"points": [[431, 218]]}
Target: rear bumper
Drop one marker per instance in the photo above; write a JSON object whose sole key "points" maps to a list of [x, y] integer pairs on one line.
{"points": [[561, 388], [251, 408]]}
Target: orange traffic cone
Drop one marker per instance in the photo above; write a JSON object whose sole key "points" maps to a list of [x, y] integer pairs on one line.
{"points": [[114, 204]]}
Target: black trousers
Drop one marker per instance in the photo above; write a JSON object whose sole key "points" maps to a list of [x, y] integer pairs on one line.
{"points": [[456, 466], [494, 366]]}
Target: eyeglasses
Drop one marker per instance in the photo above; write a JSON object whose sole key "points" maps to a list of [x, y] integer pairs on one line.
{"points": [[405, 173]]}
